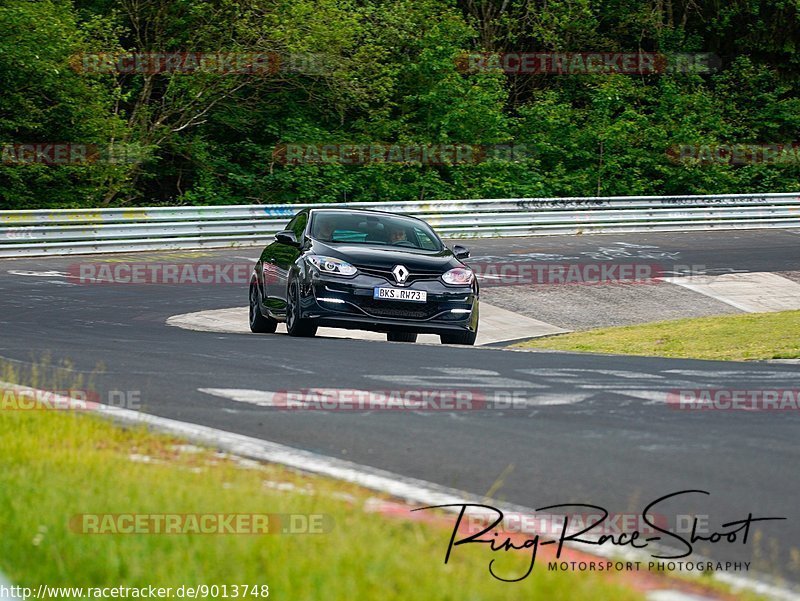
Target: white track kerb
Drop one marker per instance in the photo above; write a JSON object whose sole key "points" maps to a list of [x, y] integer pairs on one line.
{"points": [[414, 491]]}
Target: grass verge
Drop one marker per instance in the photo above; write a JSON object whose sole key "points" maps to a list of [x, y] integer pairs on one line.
{"points": [[56, 465], [754, 336]]}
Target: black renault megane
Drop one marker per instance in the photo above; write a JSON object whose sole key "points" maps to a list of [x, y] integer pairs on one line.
{"points": [[365, 270]]}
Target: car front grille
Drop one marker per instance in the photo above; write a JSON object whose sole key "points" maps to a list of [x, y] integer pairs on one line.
{"points": [[387, 274]]}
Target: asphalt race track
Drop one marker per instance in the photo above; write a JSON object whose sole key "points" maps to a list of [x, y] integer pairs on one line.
{"points": [[596, 429]]}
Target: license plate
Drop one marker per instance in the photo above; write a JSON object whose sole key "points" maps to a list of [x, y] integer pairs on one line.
{"points": [[400, 294]]}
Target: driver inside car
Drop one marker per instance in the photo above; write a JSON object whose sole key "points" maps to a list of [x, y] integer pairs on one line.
{"points": [[397, 234], [325, 230]]}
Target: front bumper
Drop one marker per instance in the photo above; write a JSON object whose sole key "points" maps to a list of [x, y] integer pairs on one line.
{"points": [[348, 303]]}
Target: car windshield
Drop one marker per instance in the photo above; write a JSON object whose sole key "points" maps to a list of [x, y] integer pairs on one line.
{"points": [[374, 230]]}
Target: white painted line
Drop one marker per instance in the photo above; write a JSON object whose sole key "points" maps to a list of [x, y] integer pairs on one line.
{"points": [[674, 596], [750, 292], [259, 398], [349, 398], [408, 489], [39, 274], [497, 325]]}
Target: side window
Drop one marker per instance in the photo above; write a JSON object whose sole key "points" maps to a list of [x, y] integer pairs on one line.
{"points": [[425, 241], [298, 225]]}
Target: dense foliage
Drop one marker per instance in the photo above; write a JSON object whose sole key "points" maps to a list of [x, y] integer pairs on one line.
{"points": [[392, 72]]}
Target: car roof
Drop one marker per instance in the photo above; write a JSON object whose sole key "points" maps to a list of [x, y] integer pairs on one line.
{"points": [[364, 211]]}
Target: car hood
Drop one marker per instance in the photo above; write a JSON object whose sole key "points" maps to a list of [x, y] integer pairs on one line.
{"points": [[386, 257]]}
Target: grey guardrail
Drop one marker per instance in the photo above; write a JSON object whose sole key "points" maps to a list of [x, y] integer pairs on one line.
{"points": [[87, 231]]}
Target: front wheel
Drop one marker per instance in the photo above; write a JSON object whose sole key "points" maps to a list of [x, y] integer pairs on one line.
{"points": [[467, 338], [401, 336], [258, 323], [295, 325]]}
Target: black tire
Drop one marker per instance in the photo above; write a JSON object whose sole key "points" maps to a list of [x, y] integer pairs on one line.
{"points": [[467, 338], [294, 325], [258, 323], [401, 336]]}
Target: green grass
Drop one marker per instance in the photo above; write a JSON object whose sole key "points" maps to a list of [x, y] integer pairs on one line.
{"points": [[733, 337], [55, 465]]}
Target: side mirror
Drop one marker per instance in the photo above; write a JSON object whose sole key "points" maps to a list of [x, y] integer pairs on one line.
{"points": [[287, 237], [460, 252]]}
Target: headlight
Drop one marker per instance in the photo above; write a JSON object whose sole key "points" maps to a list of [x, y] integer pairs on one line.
{"points": [[331, 265], [460, 276]]}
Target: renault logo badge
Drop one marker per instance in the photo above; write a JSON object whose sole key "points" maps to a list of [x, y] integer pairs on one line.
{"points": [[400, 274]]}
